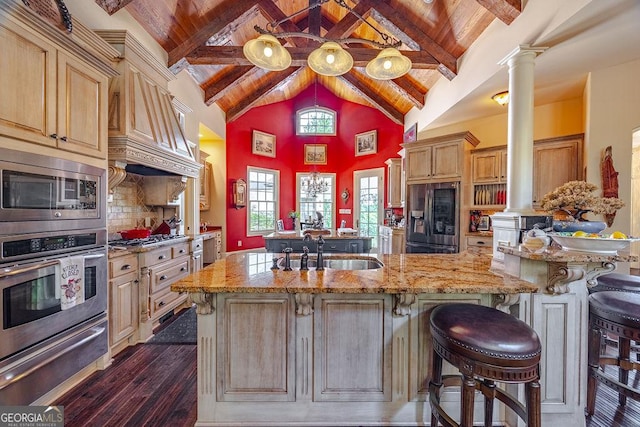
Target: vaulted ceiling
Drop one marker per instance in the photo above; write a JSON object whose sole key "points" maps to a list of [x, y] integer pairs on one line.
{"points": [[206, 38]]}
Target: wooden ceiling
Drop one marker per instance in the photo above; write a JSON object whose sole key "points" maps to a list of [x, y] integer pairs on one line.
{"points": [[206, 37]]}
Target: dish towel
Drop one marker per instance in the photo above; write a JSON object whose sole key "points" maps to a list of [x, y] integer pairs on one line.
{"points": [[71, 286]]}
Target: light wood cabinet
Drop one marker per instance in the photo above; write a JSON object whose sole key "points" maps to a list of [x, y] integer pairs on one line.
{"points": [[555, 162], [123, 301], [489, 166], [50, 96], [197, 251], [481, 244], [206, 176], [391, 240], [212, 249], [395, 184], [437, 159]]}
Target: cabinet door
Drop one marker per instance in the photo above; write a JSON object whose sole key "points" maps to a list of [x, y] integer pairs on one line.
{"points": [[28, 91], [394, 184], [485, 166], [419, 163], [123, 316], [82, 108], [197, 261], [554, 164], [503, 165], [447, 160], [352, 351]]}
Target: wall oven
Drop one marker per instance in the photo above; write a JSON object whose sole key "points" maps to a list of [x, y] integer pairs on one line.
{"points": [[42, 341], [42, 193]]}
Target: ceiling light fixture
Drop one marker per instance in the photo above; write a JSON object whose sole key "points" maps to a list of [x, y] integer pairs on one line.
{"points": [[501, 98], [315, 185], [330, 59]]}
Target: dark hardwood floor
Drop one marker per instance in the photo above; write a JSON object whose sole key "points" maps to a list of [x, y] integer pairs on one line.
{"points": [[155, 385]]}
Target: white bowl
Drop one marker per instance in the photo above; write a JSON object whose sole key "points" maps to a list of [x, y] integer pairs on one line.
{"points": [[598, 245]]}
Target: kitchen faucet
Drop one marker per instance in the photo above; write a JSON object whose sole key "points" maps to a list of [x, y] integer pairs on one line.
{"points": [[320, 242]]}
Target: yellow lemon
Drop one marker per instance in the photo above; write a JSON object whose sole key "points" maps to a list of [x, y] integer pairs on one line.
{"points": [[579, 233], [618, 235]]}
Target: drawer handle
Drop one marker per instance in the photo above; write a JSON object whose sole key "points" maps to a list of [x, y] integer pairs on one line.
{"points": [[126, 267], [161, 303], [480, 243], [53, 136], [162, 257], [63, 139], [181, 251], [163, 277], [183, 269], [197, 246]]}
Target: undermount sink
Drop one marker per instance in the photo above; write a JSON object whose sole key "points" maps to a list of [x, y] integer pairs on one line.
{"points": [[340, 264]]}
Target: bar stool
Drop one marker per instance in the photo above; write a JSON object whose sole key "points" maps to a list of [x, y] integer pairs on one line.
{"points": [[617, 282], [619, 313], [486, 345]]}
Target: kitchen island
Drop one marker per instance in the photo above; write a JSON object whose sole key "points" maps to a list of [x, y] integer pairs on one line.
{"points": [[335, 241], [333, 347]]}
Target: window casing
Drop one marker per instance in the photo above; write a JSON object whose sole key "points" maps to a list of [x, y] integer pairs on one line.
{"points": [[315, 121], [324, 202], [264, 188]]}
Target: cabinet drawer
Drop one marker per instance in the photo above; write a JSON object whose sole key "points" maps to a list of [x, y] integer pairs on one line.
{"points": [[180, 250], [156, 256], [197, 244], [164, 301], [123, 265], [480, 241], [164, 275]]}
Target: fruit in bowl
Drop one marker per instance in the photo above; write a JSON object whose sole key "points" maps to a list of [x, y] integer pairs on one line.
{"points": [[602, 243]]}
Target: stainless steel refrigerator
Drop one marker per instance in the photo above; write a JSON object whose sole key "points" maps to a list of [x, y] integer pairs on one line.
{"points": [[433, 218]]}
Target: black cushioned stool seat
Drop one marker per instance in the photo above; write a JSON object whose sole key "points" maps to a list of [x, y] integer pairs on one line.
{"points": [[486, 345], [617, 282], [618, 313]]}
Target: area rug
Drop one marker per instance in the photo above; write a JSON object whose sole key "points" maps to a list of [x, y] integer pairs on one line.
{"points": [[182, 330]]}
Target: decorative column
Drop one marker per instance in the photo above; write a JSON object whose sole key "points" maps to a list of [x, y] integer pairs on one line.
{"points": [[506, 224]]}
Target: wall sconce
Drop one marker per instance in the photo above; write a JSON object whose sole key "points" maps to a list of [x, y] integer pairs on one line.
{"points": [[345, 195], [501, 98]]}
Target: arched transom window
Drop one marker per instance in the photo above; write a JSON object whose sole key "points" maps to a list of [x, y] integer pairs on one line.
{"points": [[315, 121]]}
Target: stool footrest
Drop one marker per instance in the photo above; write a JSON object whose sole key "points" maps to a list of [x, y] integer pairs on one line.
{"points": [[621, 388]]}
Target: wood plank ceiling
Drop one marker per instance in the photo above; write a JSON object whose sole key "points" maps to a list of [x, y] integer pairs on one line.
{"points": [[206, 37]]}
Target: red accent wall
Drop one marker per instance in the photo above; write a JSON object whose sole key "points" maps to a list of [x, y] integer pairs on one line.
{"points": [[279, 119]]}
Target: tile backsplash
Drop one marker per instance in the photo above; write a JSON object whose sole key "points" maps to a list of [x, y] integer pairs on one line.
{"points": [[127, 210]]}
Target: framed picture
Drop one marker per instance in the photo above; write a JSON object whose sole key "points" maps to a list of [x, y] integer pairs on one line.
{"points": [[411, 134], [367, 143], [280, 225], [484, 223], [264, 144], [315, 154]]}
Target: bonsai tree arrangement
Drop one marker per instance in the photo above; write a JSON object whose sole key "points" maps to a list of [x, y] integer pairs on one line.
{"points": [[576, 198]]}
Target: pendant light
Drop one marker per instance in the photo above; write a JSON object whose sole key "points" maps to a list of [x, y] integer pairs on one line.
{"points": [[389, 64], [266, 52], [330, 59]]}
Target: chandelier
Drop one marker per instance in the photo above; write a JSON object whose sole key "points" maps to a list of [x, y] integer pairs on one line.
{"points": [[330, 59], [314, 185]]}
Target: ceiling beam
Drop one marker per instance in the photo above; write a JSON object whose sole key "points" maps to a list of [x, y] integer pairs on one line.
{"points": [[273, 13], [350, 21], [112, 6], [380, 103], [410, 91], [504, 10], [232, 55], [227, 13], [275, 80], [315, 15], [393, 19], [216, 87]]}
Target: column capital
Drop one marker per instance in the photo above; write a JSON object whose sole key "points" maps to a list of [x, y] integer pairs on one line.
{"points": [[521, 50]]}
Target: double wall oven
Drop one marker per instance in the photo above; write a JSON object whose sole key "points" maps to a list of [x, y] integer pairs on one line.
{"points": [[52, 222]]}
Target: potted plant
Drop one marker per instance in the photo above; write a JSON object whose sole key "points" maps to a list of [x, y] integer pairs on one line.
{"points": [[574, 199], [294, 217]]}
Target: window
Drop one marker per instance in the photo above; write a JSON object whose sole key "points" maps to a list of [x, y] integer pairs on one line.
{"points": [[323, 202], [264, 186], [315, 121]]}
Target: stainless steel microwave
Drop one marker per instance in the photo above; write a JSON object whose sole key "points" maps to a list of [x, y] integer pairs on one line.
{"points": [[39, 193]]}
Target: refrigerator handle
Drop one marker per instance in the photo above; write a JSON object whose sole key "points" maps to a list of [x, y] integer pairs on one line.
{"points": [[428, 217]]}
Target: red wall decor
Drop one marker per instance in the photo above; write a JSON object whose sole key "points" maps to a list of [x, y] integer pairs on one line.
{"points": [[279, 119]]}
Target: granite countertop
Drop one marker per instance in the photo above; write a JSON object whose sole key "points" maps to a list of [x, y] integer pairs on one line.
{"points": [[402, 273], [299, 234], [118, 251], [553, 254]]}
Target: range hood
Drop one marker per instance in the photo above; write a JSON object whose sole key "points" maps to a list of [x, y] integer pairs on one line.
{"points": [[145, 135]]}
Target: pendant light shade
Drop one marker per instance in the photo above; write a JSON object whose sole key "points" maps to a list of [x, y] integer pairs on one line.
{"points": [[389, 64], [330, 59], [266, 52]]}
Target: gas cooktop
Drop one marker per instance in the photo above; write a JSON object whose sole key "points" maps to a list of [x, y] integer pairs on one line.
{"points": [[147, 241]]}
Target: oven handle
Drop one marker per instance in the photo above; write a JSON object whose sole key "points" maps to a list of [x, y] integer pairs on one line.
{"points": [[8, 272]]}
